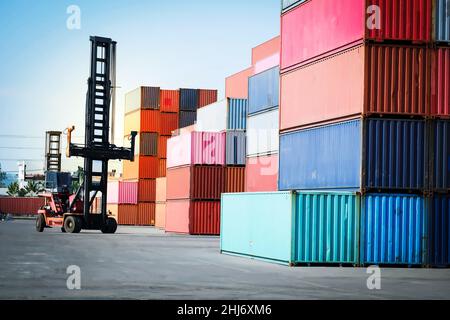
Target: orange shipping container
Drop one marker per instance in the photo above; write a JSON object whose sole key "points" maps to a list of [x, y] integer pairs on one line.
{"points": [[146, 214], [170, 100], [142, 121], [125, 214], [206, 97], [168, 123], [162, 146], [162, 169], [143, 167], [147, 190], [234, 179], [236, 85], [160, 215]]}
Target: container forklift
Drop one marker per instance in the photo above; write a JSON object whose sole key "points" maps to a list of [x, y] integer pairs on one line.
{"points": [[72, 212]]}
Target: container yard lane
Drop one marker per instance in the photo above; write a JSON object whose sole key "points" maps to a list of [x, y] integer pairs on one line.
{"points": [[145, 263]]}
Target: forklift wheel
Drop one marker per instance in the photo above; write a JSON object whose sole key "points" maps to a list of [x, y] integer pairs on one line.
{"points": [[63, 230], [72, 224], [110, 226], [40, 223]]}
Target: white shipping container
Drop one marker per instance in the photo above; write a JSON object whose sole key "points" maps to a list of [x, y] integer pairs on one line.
{"points": [[213, 117], [133, 100], [263, 133]]}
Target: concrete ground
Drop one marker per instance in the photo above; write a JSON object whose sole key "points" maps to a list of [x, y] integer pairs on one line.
{"points": [[145, 263]]}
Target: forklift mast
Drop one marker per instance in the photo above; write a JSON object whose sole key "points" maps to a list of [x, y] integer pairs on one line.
{"points": [[53, 151], [97, 149]]}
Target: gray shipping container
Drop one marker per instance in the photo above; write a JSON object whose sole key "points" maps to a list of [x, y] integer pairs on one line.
{"points": [[149, 144], [187, 118], [235, 149]]}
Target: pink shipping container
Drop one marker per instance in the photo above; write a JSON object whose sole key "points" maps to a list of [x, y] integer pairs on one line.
{"points": [[236, 85], [161, 189], [122, 192], [266, 50], [193, 217], [320, 27], [160, 215], [193, 148], [440, 103], [21, 205], [261, 174]]}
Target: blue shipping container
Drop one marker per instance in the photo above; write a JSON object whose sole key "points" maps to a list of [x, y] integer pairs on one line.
{"points": [[442, 21], [357, 155], [263, 91], [440, 171], [235, 148], [393, 229], [439, 227], [289, 4], [188, 99], [237, 114]]}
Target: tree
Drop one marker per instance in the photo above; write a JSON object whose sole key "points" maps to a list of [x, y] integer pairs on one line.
{"points": [[13, 189], [2, 177], [76, 183], [33, 188]]}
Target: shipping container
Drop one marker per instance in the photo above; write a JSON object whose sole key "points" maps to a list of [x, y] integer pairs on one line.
{"points": [[235, 147], [261, 174], [125, 214], [440, 164], [122, 192], [187, 118], [148, 144], [170, 101], [162, 168], [440, 103], [439, 227], [143, 167], [142, 121], [234, 179], [147, 190], [442, 21], [263, 133], [168, 123], [393, 229], [365, 80], [213, 117], [142, 98], [21, 205], [289, 4], [162, 146], [146, 214], [193, 217], [160, 215], [237, 114], [266, 50], [196, 148], [188, 99], [236, 85], [161, 189], [342, 24], [266, 64], [263, 91], [195, 182], [387, 154], [206, 97]]}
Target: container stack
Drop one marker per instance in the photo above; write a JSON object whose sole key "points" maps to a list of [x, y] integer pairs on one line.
{"points": [[195, 182], [122, 201], [363, 141], [154, 114], [160, 214]]}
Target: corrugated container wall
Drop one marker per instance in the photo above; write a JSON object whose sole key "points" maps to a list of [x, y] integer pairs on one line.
{"points": [[263, 91], [148, 144], [236, 86], [263, 133], [21, 206], [146, 214], [393, 229], [385, 79], [188, 99], [440, 103], [341, 24], [168, 123], [142, 98], [234, 179], [332, 157], [162, 146], [169, 101], [213, 117], [147, 190], [122, 192], [161, 194], [162, 168], [160, 215], [150, 121], [442, 21], [237, 114], [261, 174], [187, 118], [235, 148], [440, 166], [439, 228], [206, 97], [127, 214]]}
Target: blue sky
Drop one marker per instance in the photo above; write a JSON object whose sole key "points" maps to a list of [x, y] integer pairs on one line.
{"points": [[44, 66]]}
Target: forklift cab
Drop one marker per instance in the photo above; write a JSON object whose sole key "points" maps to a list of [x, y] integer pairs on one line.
{"points": [[58, 182]]}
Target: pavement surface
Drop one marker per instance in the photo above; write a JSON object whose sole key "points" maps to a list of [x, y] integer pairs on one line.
{"points": [[145, 263]]}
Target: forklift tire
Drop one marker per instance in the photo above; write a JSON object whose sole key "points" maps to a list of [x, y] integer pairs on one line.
{"points": [[110, 226], [63, 230], [72, 224], [40, 223]]}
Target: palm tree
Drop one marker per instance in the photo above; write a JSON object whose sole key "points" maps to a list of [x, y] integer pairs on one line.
{"points": [[33, 188], [13, 189]]}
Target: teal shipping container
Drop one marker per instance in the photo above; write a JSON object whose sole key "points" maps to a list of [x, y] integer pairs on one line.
{"points": [[291, 228]]}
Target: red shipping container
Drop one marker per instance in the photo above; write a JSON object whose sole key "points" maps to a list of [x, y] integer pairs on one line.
{"points": [[440, 103], [261, 174], [234, 179], [236, 85], [365, 80], [125, 214], [147, 190], [206, 97], [162, 146], [193, 217], [162, 168], [146, 214], [320, 27], [169, 100], [168, 123], [150, 121], [195, 182], [148, 167], [21, 205]]}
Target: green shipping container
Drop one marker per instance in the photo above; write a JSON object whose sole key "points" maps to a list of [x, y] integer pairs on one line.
{"points": [[291, 228]]}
